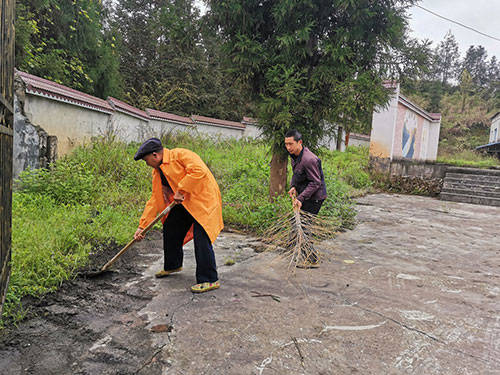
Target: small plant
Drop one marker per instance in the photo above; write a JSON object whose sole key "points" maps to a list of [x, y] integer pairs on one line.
{"points": [[229, 261]]}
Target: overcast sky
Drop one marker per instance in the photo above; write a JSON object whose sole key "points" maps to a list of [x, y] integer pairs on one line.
{"points": [[482, 15]]}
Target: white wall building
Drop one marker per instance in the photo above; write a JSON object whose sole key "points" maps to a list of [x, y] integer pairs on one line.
{"points": [[403, 130], [495, 128]]}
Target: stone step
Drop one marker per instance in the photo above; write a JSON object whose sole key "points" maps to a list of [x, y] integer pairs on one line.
{"points": [[474, 171], [460, 184], [469, 199], [474, 192], [470, 177]]}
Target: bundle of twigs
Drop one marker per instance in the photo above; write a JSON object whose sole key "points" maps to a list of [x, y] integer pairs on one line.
{"points": [[294, 235]]}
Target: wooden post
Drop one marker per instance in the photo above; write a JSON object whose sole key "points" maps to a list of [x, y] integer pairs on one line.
{"points": [[6, 139]]}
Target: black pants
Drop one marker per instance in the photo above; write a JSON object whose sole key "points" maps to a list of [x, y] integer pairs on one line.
{"points": [[312, 206], [178, 222]]}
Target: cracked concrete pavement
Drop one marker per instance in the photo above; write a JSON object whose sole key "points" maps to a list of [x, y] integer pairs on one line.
{"points": [[414, 288]]}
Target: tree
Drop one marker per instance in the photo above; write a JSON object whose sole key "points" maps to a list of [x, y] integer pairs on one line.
{"points": [[310, 64], [68, 42], [476, 65], [170, 59], [493, 77], [466, 88], [446, 58]]}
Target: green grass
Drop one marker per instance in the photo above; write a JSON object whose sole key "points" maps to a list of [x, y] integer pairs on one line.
{"points": [[97, 194], [469, 159]]}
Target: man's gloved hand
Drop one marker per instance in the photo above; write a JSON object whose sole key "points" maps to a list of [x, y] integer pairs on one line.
{"points": [[292, 192]]}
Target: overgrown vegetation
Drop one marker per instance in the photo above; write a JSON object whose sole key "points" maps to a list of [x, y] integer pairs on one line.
{"points": [[96, 195]]}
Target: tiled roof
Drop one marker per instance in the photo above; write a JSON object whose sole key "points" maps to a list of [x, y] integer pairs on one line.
{"points": [[433, 117], [249, 120], [362, 137], [127, 108], [43, 87], [494, 116], [217, 122], [153, 113]]}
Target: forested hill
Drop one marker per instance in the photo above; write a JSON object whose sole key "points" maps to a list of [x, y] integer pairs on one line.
{"points": [[466, 90]]}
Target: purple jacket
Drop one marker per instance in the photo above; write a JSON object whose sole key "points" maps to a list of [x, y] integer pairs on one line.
{"points": [[308, 178]]}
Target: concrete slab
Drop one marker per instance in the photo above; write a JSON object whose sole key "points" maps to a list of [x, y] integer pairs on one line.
{"points": [[414, 288]]}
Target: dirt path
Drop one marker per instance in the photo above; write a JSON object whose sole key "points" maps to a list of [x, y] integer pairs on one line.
{"points": [[413, 289]]}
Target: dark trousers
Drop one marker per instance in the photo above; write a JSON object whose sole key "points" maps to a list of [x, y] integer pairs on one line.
{"points": [[178, 222], [312, 206]]}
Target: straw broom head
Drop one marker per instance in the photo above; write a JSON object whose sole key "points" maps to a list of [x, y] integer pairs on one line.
{"points": [[294, 234]]}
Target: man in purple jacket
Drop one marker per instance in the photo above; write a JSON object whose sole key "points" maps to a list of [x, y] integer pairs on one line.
{"points": [[308, 182]]}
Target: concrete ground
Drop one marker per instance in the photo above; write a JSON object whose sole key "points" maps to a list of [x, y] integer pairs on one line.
{"points": [[414, 288]]}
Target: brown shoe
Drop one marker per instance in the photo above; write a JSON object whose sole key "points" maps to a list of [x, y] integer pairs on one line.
{"points": [[164, 273]]}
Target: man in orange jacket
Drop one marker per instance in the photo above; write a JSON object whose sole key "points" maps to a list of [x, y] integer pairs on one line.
{"points": [[181, 176]]}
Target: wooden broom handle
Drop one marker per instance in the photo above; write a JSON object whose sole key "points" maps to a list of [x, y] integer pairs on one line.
{"points": [[144, 231]]}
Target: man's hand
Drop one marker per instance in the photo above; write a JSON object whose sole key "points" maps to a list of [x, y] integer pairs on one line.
{"points": [[178, 197], [292, 192], [297, 204], [138, 236]]}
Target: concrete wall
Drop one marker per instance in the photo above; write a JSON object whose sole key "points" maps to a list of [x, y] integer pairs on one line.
{"points": [[417, 168], [164, 127], [218, 131], [383, 129], [495, 130], [27, 142], [129, 128], [252, 131], [73, 125]]}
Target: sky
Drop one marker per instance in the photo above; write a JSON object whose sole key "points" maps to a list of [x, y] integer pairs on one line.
{"points": [[482, 15]]}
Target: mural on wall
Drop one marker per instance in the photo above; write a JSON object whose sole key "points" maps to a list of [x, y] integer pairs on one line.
{"points": [[409, 132]]}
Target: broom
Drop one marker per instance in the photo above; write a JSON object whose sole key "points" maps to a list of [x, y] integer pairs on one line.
{"points": [[294, 234]]}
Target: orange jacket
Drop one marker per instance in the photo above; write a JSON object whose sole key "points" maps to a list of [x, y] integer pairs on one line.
{"points": [[186, 172]]}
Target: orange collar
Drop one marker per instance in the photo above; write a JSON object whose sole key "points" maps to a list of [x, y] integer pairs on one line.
{"points": [[166, 156]]}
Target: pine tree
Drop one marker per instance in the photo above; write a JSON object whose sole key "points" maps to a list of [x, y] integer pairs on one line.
{"points": [[68, 42], [447, 59], [476, 65]]}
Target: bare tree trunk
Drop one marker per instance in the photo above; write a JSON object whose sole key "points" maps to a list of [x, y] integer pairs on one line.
{"points": [[340, 130], [277, 182]]}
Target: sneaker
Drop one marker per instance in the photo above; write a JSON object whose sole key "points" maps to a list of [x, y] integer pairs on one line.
{"points": [[164, 273], [205, 287]]}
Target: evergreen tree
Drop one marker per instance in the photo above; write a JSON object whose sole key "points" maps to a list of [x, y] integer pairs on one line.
{"points": [[170, 60], [476, 65], [447, 59], [310, 61], [67, 42]]}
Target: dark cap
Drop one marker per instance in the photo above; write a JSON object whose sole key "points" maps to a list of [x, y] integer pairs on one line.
{"points": [[148, 147]]}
